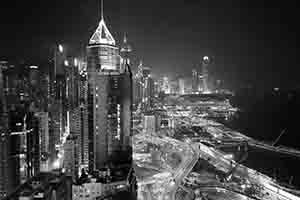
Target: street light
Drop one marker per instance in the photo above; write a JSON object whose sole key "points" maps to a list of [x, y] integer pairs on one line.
{"points": [[66, 62], [60, 48]]}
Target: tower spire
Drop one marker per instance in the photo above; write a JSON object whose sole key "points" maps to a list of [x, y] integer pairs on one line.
{"points": [[101, 9], [102, 34]]}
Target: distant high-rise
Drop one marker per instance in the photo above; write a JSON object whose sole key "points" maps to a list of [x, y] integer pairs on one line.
{"points": [[125, 51], [195, 81], [204, 64], [109, 100], [144, 87], [181, 86], [165, 85], [138, 86]]}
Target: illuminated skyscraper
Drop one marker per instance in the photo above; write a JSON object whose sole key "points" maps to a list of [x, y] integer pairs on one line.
{"points": [[181, 86], [204, 64], [166, 85], [195, 81], [109, 99], [83, 99], [125, 51], [58, 103], [138, 86], [84, 145], [144, 87]]}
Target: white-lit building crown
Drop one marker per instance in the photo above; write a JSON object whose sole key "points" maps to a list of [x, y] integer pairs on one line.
{"points": [[102, 35]]}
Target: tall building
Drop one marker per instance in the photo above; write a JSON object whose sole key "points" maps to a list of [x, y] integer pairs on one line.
{"points": [[109, 100], [4, 164], [18, 147], [5, 187], [165, 85], [43, 120], [72, 80], [83, 98], [138, 87], [156, 89], [84, 136], [125, 51], [181, 86], [205, 63], [33, 145], [76, 134], [33, 75], [174, 86], [144, 87], [58, 104], [195, 81], [2, 65], [20, 129], [70, 157]]}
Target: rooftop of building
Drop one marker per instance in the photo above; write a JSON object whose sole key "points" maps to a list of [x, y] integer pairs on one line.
{"points": [[102, 35]]}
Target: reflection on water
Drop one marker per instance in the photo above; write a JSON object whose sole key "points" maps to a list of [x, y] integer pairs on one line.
{"points": [[284, 167]]}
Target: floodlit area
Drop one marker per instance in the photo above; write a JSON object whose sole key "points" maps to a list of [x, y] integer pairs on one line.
{"points": [[186, 162]]}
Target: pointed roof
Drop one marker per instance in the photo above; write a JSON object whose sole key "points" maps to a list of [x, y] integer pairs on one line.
{"points": [[102, 35], [125, 46]]}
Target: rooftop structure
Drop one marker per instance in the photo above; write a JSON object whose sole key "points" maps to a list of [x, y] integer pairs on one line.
{"points": [[102, 34]]}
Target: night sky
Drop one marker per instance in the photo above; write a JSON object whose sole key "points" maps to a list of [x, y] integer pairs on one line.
{"points": [[251, 42]]}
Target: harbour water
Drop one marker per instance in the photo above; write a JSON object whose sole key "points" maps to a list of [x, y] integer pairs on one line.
{"points": [[283, 167], [264, 117]]}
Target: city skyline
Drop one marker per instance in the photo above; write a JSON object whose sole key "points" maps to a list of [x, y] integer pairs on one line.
{"points": [[82, 128], [148, 100], [239, 35]]}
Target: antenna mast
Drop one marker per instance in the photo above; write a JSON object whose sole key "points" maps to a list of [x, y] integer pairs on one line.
{"points": [[101, 9]]}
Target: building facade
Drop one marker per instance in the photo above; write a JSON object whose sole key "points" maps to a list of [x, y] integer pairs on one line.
{"points": [[109, 100]]}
